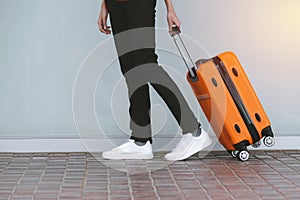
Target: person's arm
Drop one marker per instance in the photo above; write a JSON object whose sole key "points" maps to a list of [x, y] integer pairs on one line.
{"points": [[102, 20], [172, 18]]}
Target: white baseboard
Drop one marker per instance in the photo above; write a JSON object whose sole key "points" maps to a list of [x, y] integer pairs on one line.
{"points": [[99, 145]]}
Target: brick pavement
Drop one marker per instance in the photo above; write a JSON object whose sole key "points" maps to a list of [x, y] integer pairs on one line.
{"points": [[267, 175]]}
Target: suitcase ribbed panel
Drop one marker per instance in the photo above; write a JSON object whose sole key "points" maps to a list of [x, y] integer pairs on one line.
{"points": [[219, 107], [246, 91]]}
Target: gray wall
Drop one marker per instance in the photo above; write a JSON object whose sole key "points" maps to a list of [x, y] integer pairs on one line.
{"points": [[45, 42]]}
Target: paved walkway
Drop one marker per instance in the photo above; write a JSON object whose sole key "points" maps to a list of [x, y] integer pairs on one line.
{"points": [[267, 175]]}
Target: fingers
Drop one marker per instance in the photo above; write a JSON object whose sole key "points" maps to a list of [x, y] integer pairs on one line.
{"points": [[177, 23], [103, 26], [174, 23]]}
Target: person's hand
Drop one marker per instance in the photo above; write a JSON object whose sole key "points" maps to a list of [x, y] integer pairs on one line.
{"points": [[102, 20], [172, 20]]}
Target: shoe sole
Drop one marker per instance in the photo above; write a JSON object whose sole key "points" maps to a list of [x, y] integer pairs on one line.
{"points": [[127, 156]]}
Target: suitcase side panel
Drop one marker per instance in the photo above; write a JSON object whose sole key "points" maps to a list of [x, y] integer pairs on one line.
{"points": [[218, 106], [246, 91], [252, 131]]}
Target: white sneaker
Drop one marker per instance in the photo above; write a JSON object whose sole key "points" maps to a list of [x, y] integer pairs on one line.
{"points": [[189, 145], [129, 150]]}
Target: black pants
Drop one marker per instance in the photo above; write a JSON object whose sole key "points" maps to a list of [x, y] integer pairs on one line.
{"points": [[139, 66]]}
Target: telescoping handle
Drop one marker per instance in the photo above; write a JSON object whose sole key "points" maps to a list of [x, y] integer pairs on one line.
{"points": [[175, 33]]}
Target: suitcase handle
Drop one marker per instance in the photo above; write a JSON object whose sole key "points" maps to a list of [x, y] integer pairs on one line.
{"points": [[175, 33]]}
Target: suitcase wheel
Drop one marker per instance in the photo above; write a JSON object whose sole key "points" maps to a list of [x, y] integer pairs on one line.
{"points": [[233, 153], [256, 144], [269, 141], [243, 155]]}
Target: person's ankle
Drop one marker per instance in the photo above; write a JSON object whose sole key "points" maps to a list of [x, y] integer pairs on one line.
{"points": [[139, 143], [197, 132]]}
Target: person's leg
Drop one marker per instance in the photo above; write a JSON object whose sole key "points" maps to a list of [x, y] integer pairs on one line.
{"points": [[167, 88], [139, 97], [140, 16], [117, 16], [176, 102], [139, 114]]}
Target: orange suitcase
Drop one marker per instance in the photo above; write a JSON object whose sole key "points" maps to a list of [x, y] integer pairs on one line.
{"points": [[228, 100]]}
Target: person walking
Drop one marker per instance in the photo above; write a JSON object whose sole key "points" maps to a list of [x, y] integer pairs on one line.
{"points": [[133, 24]]}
